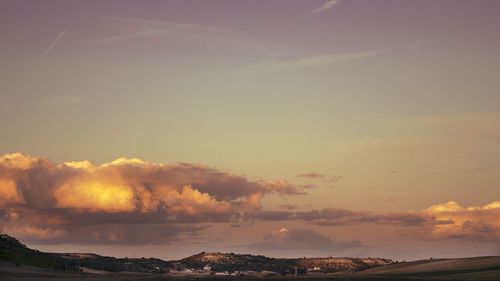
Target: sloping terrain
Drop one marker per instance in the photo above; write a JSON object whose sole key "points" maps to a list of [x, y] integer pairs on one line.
{"points": [[480, 268], [335, 264], [18, 261], [239, 262], [11, 250], [236, 262]]}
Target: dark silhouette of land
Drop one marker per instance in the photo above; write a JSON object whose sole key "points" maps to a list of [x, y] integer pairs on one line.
{"points": [[18, 262]]}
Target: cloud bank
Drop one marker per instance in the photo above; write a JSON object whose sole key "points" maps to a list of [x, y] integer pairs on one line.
{"points": [[80, 202], [46, 200], [337, 216], [439, 222]]}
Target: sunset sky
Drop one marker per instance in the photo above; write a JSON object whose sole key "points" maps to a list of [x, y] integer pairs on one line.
{"points": [[285, 128]]}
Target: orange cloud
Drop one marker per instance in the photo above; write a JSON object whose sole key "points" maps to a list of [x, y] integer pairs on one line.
{"points": [[38, 232], [441, 221], [191, 201], [8, 192], [39, 198], [474, 222], [125, 185], [17, 161], [95, 195]]}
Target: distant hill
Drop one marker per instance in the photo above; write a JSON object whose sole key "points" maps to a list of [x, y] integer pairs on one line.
{"points": [[476, 268], [480, 268], [235, 262], [11, 250], [113, 264], [240, 262], [335, 264]]}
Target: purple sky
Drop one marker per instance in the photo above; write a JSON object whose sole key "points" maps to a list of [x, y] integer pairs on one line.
{"points": [[340, 128]]}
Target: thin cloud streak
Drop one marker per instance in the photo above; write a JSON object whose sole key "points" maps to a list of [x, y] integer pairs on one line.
{"points": [[314, 61], [327, 5], [322, 60], [118, 38], [187, 31], [185, 26], [318, 176], [54, 43]]}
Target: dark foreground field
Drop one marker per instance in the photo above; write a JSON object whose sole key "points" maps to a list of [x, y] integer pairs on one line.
{"points": [[481, 268]]}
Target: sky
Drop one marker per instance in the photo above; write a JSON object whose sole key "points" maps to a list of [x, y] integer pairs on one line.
{"points": [[286, 128]]}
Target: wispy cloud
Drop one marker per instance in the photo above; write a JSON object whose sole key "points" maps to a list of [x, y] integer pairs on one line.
{"points": [[327, 5], [143, 28], [196, 28], [54, 43], [315, 61], [317, 176], [118, 38], [323, 60], [311, 175]]}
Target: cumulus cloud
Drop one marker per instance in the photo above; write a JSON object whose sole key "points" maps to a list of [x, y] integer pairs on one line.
{"points": [[129, 185], [42, 199], [466, 223], [9, 193], [302, 239], [78, 201]]}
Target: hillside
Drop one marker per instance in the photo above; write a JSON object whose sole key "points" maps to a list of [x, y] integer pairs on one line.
{"points": [[459, 268], [11, 250], [113, 264], [236, 262], [241, 262], [334, 264], [33, 263]]}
